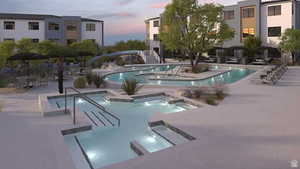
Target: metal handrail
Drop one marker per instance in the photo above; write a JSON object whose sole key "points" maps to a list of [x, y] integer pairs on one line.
{"points": [[83, 96]]}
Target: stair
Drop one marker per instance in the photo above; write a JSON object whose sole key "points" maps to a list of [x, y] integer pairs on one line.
{"points": [[169, 135]]}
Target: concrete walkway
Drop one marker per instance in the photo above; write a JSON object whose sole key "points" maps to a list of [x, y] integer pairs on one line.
{"points": [[256, 127]]}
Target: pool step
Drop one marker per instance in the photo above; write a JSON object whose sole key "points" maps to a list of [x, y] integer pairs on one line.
{"points": [[170, 135], [99, 119]]}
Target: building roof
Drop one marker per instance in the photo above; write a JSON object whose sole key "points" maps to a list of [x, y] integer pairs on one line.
{"points": [[154, 18], [36, 17]]}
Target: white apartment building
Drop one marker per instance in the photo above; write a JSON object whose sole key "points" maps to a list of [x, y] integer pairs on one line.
{"points": [[267, 19], [63, 29]]}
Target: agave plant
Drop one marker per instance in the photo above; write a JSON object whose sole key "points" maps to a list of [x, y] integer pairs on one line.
{"points": [[131, 86], [98, 80]]}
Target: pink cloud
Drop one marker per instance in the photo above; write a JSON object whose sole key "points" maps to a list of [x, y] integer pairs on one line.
{"points": [[159, 5], [115, 29]]}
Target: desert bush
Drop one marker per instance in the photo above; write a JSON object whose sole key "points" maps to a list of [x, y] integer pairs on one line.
{"points": [[131, 86], [80, 83], [98, 80], [211, 101], [120, 62], [220, 90], [200, 68]]}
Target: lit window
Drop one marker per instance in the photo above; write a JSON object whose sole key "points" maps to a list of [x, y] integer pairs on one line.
{"points": [[248, 32]]}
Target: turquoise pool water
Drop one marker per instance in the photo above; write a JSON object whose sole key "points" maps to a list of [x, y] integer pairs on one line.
{"points": [[108, 145], [230, 77]]}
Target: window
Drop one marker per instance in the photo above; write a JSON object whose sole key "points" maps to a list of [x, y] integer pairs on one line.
{"points": [[33, 26], [71, 27], [155, 37], [228, 15], [53, 26], [248, 12], [155, 23], [70, 41], [35, 40], [9, 39], [90, 27], [248, 32], [274, 31], [9, 25], [274, 10]]}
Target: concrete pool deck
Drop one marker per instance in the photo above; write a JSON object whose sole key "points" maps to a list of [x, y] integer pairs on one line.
{"points": [[257, 126]]}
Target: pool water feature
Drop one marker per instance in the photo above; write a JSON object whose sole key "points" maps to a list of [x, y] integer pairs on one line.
{"points": [[108, 145], [232, 76]]}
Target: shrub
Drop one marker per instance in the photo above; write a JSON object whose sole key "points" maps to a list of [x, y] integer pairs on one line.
{"points": [[120, 61], [220, 90], [89, 78], [80, 83], [131, 86], [200, 68], [98, 80], [211, 101], [3, 81]]}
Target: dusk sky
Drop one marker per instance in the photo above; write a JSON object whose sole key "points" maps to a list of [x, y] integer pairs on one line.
{"points": [[124, 19]]}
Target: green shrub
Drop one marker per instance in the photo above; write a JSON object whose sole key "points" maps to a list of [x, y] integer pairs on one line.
{"points": [[220, 90], [211, 101], [131, 86], [120, 62], [89, 78], [3, 81], [98, 80], [80, 83], [200, 68]]}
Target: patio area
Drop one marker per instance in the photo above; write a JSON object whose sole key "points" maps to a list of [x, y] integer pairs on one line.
{"points": [[256, 126]]}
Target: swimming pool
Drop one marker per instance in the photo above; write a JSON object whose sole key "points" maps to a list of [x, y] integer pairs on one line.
{"points": [[108, 145], [234, 75]]}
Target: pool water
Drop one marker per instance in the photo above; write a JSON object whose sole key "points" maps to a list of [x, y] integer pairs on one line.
{"points": [[229, 77], [108, 145]]}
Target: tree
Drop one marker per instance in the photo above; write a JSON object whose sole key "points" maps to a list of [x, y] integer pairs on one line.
{"points": [[252, 45], [7, 49], [85, 48], [193, 29], [126, 45], [290, 43], [25, 46]]}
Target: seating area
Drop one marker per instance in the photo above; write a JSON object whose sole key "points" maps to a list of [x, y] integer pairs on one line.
{"points": [[274, 74]]}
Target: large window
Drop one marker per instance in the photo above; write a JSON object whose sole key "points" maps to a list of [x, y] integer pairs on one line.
{"points": [[33, 26], [9, 39], [155, 37], [228, 15], [248, 13], [274, 10], [248, 32], [274, 31], [155, 23], [9, 25], [53, 26], [71, 28], [90, 27]]}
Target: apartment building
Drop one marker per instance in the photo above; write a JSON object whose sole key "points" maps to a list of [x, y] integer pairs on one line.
{"points": [[266, 19], [62, 29], [152, 34]]}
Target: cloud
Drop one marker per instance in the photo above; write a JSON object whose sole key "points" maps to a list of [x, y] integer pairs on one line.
{"points": [[116, 14], [159, 5], [124, 2]]}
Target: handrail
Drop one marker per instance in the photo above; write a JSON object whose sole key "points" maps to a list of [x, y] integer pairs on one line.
{"points": [[83, 96]]}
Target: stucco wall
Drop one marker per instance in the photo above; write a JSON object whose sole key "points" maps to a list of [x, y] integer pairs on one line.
{"points": [[97, 34]]}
